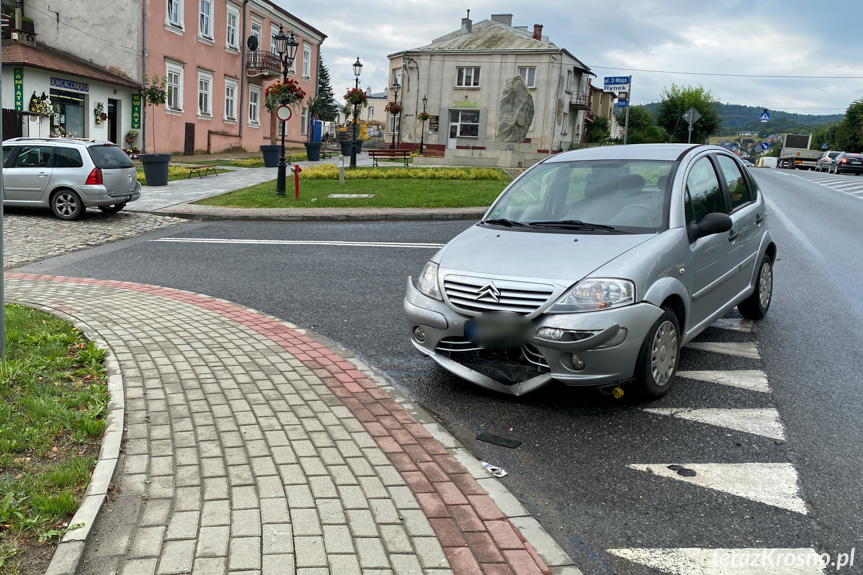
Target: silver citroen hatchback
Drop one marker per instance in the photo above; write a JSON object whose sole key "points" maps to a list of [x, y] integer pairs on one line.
{"points": [[68, 175], [594, 267]]}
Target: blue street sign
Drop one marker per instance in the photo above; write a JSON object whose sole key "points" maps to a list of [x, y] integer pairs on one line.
{"points": [[616, 83], [622, 103], [764, 145], [824, 146], [765, 116], [734, 148]]}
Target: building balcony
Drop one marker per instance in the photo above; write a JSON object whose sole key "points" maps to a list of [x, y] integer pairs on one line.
{"points": [[263, 63], [589, 116], [580, 100]]}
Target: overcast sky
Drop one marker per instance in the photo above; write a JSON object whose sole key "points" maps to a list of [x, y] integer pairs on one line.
{"points": [[654, 41]]}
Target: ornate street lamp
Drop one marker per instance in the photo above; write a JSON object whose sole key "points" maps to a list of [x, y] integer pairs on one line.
{"points": [[286, 46], [358, 68], [396, 87], [423, 125]]}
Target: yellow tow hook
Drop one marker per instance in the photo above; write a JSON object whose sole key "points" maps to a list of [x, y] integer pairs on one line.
{"points": [[617, 393]]}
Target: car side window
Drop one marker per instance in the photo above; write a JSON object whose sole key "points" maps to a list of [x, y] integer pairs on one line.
{"points": [[66, 158], [7, 151], [735, 182], [703, 194], [33, 157]]}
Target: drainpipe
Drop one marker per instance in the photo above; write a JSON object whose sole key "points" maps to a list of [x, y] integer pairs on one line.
{"points": [[242, 110], [144, 70]]}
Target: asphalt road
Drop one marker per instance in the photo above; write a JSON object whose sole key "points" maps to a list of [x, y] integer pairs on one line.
{"points": [[582, 465]]}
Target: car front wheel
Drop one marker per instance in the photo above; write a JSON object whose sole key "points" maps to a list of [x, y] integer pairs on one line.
{"points": [[66, 205], [112, 209], [657, 361], [756, 305]]}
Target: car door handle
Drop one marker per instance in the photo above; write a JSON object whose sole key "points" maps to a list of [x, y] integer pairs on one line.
{"points": [[732, 235], [759, 218], [43, 174]]}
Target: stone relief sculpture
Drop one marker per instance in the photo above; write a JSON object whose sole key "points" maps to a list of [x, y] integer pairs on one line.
{"points": [[516, 111]]}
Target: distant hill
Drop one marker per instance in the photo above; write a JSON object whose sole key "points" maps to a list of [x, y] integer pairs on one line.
{"points": [[737, 118]]}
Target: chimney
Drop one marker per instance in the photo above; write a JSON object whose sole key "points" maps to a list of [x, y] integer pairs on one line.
{"points": [[505, 19], [466, 24], [537, 32]]}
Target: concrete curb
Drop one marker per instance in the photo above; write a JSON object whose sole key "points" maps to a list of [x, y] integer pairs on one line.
{"points": [[294, 216]]}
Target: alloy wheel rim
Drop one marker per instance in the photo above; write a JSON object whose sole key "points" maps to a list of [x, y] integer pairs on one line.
{"points": [[765, 285], [663, 357], [66, 204]]}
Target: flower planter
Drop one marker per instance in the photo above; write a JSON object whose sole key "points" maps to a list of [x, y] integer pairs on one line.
{"points": [[155, 168], [313, 151], [271, 155], [347, 144]]}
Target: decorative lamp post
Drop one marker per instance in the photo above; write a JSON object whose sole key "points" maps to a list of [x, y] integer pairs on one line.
{"points": [[358, 68], [396, 87], [423, 117], [286, 46]]}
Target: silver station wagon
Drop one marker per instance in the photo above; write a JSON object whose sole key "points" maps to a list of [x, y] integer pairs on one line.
{"points": [[68, 175], [594, 267]]}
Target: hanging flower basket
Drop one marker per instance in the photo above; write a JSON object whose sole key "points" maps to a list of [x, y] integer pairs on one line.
{"points": [[423, 116], [41, 104], [280, 94], [356, 97], [130, 136], [99, 113], [394, 108]]}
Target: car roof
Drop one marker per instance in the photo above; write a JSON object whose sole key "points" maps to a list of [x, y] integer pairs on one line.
{"points": [[667, 152], [66, 141]]}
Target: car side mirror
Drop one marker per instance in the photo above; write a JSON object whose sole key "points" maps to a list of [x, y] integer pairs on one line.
{"points": [[713, 223]]}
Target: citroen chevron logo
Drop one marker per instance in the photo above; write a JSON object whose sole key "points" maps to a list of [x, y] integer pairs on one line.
{"points": [[489, 291]]}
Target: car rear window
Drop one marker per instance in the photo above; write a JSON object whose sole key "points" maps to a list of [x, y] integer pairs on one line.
{"points": [[109, 157]]}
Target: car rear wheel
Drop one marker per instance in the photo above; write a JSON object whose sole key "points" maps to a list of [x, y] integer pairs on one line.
{"points": [[657, 361], [756, 305], [112, 209], [66, 205]]}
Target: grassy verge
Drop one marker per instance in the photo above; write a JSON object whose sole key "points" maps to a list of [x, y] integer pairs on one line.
{"points": [[177, 173], [53, 402], [390, 187]]}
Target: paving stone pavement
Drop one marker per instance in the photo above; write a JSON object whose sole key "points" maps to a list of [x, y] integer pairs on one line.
{"points": [[252, 447]]}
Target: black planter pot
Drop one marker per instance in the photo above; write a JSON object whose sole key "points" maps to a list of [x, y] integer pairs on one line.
{"points": [[347, 144], [271, 155], [313, 151], [155, 168]]}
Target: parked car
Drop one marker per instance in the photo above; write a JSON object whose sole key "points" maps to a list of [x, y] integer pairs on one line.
{"points": [[846, 162], [68, 175], [825, 161], [594, 267], [747, 161]]}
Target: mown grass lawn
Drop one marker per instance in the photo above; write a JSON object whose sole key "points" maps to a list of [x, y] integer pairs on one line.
{"points": [[53, 402], [390, 188], [177, 173]]}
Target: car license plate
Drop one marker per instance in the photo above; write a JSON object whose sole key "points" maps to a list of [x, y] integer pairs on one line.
{"points": [[498, 330]]}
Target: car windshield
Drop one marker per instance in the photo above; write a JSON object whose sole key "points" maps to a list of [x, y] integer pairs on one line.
{"points": [[109, 157], [598, 196]]}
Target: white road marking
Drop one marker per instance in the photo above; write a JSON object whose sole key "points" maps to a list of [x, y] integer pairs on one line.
{"points": [[300, 243], [735, 324], [768, 483], [740, 349], [764, 422], [754, 380], [751, 561]]}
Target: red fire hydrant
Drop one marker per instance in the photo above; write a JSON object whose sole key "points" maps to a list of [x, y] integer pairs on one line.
{"points": [[296, 169]]}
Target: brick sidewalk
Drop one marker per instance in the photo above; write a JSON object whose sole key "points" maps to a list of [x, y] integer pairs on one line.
{"points": [[251, 447]]}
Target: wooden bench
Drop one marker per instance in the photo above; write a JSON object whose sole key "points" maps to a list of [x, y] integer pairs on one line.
{"points": [[330, 152], [202, 170], [375, 154]]}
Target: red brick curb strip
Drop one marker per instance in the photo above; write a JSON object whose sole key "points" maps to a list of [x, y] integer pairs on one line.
{"points": [[476, 536]]}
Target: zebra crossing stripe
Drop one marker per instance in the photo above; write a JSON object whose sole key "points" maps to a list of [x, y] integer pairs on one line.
{"points": [[763, 422], [751, 379], [740, 349], [772, 484], [734, 324], [749, 561]]}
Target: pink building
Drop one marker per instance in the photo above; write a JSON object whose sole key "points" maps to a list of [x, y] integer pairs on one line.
{"points": [[216, 74]]}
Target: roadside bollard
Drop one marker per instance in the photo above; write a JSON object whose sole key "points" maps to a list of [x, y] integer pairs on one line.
{"points": [[296, 169]]}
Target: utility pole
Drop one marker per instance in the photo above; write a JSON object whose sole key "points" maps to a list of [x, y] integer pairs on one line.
{"points": [[2, 259], [626, 117]]}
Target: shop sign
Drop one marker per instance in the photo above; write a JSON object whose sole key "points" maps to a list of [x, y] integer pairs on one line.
{"points": [[464, 104], [136, 111], [19, 89], [69, 85], [434, 123]]}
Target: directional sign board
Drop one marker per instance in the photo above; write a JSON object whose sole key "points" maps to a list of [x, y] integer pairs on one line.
{"points": [[734, 148], [622, 103], [765, 116], [824, 146], [691, 115], [616, 83], [764, 145]]}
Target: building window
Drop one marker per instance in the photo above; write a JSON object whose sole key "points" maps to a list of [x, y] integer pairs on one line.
{"points": [[254, 105], [232, 39], [569, 80], [564, 124], [371, 111], [307, 61], [174, 14], [256, 32], [230, 99], [205, 93], [528, 74], [174, 87], [464, 123], [205, 20], [396, 77], [304, 120], [467, 78], [273, 31]]}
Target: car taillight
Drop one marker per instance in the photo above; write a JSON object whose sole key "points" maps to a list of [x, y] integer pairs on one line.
{"points": [[842, 161], [95, 178]]}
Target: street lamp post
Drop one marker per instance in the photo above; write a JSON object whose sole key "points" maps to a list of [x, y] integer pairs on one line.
{"points": [[423, 125], [286, 46], [358, 68], [396, 87]]}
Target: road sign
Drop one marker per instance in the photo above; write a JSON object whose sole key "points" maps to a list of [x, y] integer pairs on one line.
{"points": [[824, 146], [764, 145], [765, 116], [616, 83], [622, 103], [734, 148], [283, 113], [691, 115]]}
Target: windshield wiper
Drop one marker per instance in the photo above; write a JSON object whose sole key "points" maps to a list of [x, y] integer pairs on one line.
{"points": [[571, 225], [504, 222]]}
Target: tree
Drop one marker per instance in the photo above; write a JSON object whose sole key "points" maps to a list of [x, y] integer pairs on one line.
{"points": [[642, 126], [154, 94], [329, 109], [676, 100], [597, 132], [849, 132]]}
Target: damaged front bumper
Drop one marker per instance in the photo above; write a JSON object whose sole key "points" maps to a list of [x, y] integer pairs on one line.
{"points": [[580, 349]]}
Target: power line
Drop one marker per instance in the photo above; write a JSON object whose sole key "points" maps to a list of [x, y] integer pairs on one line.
{"points": [[731, 75], [120, 46]]}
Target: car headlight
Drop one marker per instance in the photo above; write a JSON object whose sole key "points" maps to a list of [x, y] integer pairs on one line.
{"points": [[595, 294], [427, 281]]}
